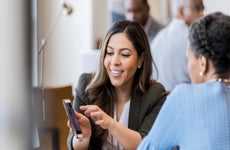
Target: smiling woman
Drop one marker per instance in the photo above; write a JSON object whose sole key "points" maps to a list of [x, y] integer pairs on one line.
{"points": [[121, 86], [121, 61]]}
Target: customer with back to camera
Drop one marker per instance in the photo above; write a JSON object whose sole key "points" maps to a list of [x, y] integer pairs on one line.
{"points": [[117, 105], [197, 116]]}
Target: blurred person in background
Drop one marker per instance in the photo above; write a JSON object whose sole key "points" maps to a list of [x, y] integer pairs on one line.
{"points": [[139, 11], [169, 46]]}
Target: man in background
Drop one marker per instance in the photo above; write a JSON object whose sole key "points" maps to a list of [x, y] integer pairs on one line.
{"points": [[139, 11], [169, 46]]}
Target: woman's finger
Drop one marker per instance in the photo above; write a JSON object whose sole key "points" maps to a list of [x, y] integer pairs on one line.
{"points": [[96, 115], [69, 124], [70, 127], [78, 115], [71, 130], [89, 108], [99, 122]]}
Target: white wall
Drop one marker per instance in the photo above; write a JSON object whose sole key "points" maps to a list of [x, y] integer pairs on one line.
{"points": [[100, 19], [217, 5], [156, 9], [71, 35]]}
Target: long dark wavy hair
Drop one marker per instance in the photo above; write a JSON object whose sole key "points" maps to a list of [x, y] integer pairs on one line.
{"points": [[101, 92]]}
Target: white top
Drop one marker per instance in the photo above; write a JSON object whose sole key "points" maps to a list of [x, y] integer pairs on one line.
{"points": [[169, 54], [112, 143]]}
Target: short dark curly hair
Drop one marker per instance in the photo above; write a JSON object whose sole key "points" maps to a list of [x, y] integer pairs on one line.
{"points": [[210, 37]]}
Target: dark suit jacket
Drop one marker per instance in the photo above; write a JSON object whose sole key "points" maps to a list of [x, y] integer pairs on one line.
{"points": [[153, 29], [143, 111]]}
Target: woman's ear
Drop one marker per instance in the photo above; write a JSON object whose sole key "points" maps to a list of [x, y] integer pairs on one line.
{"points": [[140, 60], [203, 64]]}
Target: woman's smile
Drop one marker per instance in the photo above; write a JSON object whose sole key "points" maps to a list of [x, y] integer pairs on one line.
{"points": [[116, 73]]}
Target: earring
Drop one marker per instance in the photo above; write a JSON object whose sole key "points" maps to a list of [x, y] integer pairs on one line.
{"points": [[201, 73], [139, 66]]}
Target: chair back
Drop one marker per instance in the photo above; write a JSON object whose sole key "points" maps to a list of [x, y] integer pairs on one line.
{"points": [[51, 116]]}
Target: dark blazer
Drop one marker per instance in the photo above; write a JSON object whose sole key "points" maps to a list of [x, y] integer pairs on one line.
{"points": [[153, 29], [143, 111]]}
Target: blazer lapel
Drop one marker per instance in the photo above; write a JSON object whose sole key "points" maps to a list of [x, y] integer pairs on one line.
{"points": [[134, 113]]}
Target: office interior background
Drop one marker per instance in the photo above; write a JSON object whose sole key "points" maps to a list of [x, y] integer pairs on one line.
{"points": [[78, 33], [70, 50]]}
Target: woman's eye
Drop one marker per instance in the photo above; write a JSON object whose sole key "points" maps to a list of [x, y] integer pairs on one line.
{"points": [[125, 55], [109, 53]]}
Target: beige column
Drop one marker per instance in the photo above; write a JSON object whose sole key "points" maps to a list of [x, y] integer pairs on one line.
{"points": [[15, 95]]}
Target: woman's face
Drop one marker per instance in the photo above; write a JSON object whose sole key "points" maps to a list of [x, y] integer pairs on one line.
{"points": [[121, 61], [193, 67]]}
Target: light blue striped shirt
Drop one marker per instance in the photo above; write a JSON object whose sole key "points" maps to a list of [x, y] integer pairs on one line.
{"points": [[194, 117]]}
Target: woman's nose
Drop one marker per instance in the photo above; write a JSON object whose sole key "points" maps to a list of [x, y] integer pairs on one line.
{"points": [[115, 59]]}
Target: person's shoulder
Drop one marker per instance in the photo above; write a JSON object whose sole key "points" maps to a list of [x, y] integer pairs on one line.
{"points": [[159, 37], [190, 86], [156, 23], [155, 95], [84, 80], [156, 90], [186, 89], [179, 94], [199, 87], [85, 77], [156, 85], [182, 87], [187, 93]]}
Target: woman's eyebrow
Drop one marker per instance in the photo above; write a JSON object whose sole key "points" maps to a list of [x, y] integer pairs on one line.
{"points": [[121, 49], [109, 47]]}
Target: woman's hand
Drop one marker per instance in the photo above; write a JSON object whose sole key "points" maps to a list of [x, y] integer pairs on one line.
{"points": [[98, 116], [83, 142], [84, 124], [129, 139]]}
